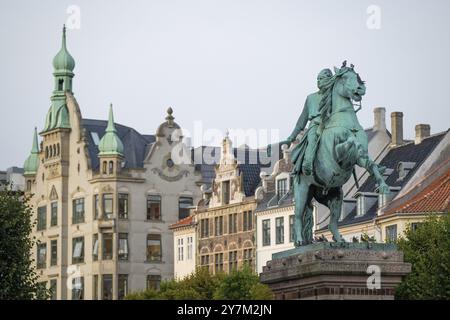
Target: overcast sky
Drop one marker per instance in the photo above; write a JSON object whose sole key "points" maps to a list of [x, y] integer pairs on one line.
{"points": [[245, 64]]}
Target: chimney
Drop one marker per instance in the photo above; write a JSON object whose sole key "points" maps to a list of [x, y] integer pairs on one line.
{"points": [[422, 132], [397, 128], [379, 119]]}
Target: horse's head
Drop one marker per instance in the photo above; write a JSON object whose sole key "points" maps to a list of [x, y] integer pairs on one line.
{"points": [[349, 84]]}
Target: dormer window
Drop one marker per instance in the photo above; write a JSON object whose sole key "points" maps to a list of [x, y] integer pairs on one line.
{"points": [[282, 187], [404, 168], [364, 203], [60, 84]]}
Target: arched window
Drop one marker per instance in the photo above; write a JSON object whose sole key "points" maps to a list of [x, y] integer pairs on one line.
{"points": [[111, 167], [54, 150], [60, 84], [57, 149], [104, 167], [46, 152], [28, 185]]}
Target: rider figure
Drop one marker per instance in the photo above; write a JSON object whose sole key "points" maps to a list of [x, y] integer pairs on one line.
{"points": [[311, 113]]}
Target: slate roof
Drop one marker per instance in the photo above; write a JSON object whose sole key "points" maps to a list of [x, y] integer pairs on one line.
{"points": [[135, 144], [408, 152], [270, 200], [136, 147]]}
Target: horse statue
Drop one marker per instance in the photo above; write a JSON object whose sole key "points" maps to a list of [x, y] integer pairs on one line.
{"points": [[341, 144]]}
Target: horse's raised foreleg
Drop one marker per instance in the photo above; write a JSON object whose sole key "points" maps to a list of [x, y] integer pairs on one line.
{"points": [[374, 171], [302, 196]]}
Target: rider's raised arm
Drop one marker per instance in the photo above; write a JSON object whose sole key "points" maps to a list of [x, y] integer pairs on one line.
{"points": [[301, 122]]}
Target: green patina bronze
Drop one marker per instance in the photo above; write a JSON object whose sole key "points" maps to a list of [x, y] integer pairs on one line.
{"points": [[110, 144], [63, 65], [333, 144], [31, 165]]}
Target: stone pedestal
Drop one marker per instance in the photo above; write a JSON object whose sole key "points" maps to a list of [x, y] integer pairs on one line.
{"points": [[336, 271]]}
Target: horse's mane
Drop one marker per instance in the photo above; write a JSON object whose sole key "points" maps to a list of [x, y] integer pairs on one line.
{"points": [[325, 103]]}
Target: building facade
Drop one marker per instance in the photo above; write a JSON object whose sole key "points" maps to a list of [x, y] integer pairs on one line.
{"points": [[274, 213], [223, 220], [104, 197]]}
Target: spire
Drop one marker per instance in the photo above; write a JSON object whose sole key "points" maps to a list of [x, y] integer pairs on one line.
{"points": [[63, 61], [110, 144], [111, 127], [32, 162]]}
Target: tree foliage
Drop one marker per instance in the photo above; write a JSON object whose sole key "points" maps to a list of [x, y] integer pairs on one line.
{"points": [[18, 279], [427, 248], [201, 285]]}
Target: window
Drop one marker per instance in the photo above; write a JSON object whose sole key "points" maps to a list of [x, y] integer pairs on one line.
{"points": [[108, 205], [41, 256], [153, 281], [204, 228], [204, 260], [53, 289], [28, 185], [279, 230], [78, 250], [154, 207], [189, 248], [232, 223], [104, 167], [232, 260], [123, 246], [42, 218], [107, 287], [96, 206], [60, 84], [107, 253], [54, 214], [95, 247], [415, 225], [248, 256], [281, 188], [123, 206], [154, 247], [53, 252], [266, 232], [226, 192], [78, 211], [218, 262], [111, 167], [180, 250], [248, 221], [95, 287], [291, 228], [360, 208], [183, 206], [78, 288], [123, 286], [391, 233], [218, 223]]}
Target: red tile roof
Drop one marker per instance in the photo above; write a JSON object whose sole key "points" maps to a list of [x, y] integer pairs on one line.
{"points": [[183, 222], [433, 198]]}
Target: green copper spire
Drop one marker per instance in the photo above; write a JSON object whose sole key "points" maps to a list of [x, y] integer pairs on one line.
{"points": [[32, 163], [63, 61], [110, 144]]}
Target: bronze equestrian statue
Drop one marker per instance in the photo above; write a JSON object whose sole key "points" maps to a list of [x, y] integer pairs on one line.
{"points": [[333, 144]]}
